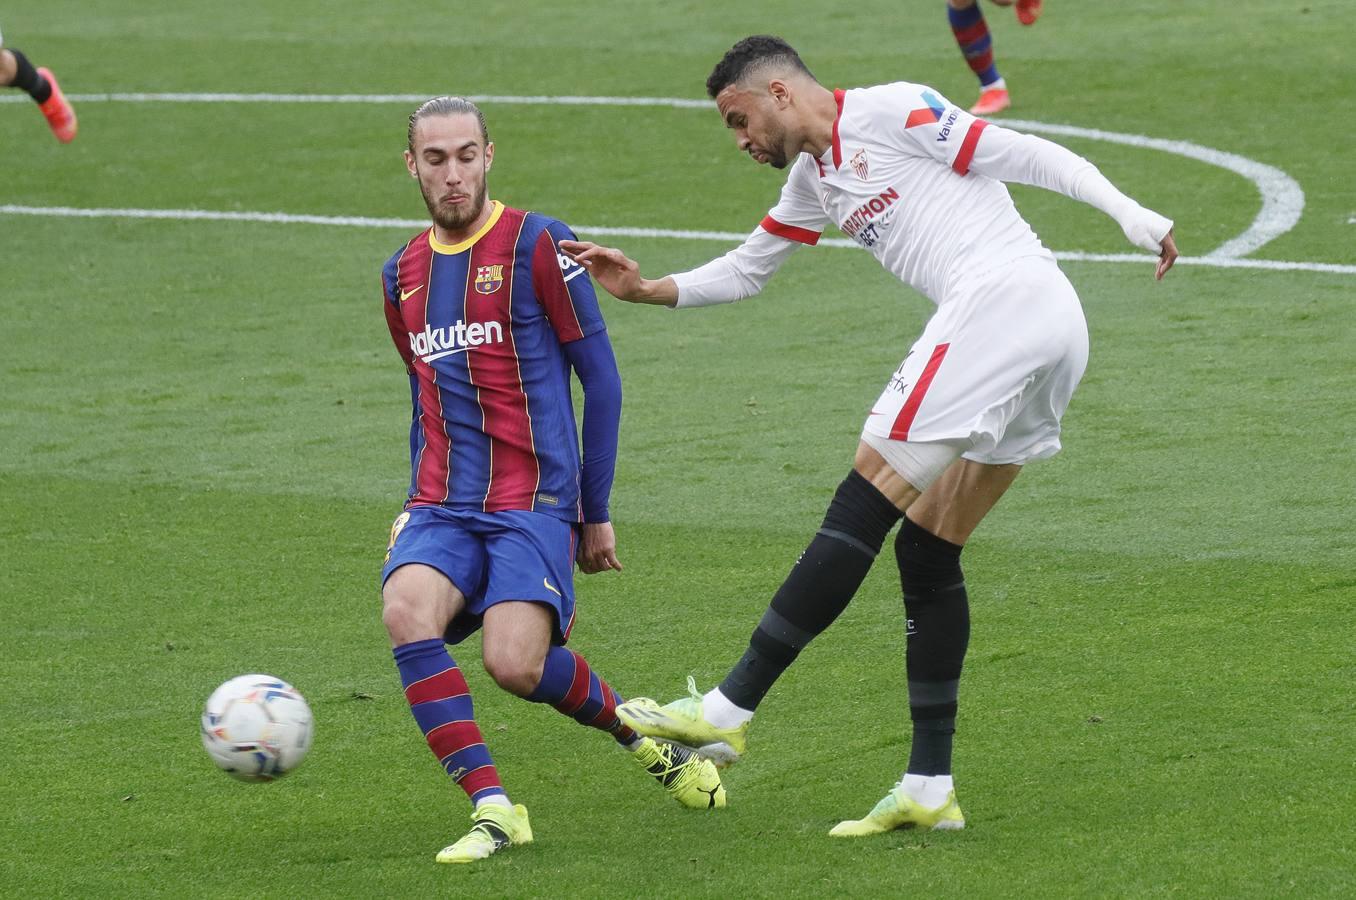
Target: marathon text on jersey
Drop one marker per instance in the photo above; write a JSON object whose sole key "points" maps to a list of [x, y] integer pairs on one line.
{"points": [[868, 211]]}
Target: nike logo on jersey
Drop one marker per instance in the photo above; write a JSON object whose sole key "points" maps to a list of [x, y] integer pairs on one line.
{"points": [[405, 295], [550, 588]]}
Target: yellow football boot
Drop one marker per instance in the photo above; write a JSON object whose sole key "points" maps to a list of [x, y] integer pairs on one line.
{"points": [[899, 810], [689, 779], [494, 828], [681, 722]]}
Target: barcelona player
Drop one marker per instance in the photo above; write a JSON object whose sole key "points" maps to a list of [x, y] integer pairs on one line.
{"points": [[490, 318], [918, 183], [976, 45], [40, 84]]}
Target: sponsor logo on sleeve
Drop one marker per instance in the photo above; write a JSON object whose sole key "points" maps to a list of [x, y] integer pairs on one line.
{"points": [[926, 115], [568, 267], [945, 131]]}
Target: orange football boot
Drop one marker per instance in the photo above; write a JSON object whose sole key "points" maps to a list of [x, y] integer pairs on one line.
{"points": [[991, 100], [58, 111], [1028, 11]]}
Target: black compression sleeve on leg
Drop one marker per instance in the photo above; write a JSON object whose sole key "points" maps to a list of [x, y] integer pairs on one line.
{"points": [[27, 79], [819, 587], [938, 614]]}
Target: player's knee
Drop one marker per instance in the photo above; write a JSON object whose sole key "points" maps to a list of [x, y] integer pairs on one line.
{"points": [[515, 672], [928, 565], [860, 514], [397, 614], [406, 614]]}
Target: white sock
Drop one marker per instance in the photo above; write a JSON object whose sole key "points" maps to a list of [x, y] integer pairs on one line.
{"points": [[928, 790], [999, 85], [496, 799], [633, 745], [720, 712]]}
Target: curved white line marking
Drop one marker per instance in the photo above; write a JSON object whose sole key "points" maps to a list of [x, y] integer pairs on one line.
{"points": [[1282, 197], [608, 231]]}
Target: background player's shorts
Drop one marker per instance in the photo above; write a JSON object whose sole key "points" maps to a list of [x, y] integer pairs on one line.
{"points": [[993, 370], [490, 557]]}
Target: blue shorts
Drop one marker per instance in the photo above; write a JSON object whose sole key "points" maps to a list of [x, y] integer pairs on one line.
{"points": [[514, 554]]}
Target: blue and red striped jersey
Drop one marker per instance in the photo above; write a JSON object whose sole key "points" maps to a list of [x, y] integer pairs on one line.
{"points": [[481, 327]]}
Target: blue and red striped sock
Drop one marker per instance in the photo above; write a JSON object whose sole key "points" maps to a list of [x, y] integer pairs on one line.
{"points": [[441, 703], [568, 684], [972, 35]]}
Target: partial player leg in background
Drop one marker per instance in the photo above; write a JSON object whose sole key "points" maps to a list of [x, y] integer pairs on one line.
{"points": [[928, 550], [16, 71], [976, 45], [1028, 11]]}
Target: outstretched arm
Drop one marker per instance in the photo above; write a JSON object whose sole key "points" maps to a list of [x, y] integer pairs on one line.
{"points": [[741, 273], [798, 218], [1026, 159], [620, 275]]}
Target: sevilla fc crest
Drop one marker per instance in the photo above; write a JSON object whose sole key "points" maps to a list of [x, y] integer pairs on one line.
{"points": [[488, 279], [858, 163]]}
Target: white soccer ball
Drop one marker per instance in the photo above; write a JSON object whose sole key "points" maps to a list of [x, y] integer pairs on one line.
{"points": [[256, 727]]}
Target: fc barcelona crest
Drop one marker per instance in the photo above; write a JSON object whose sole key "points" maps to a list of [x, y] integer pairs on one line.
{"points": [[488, 279], [858, 163]]}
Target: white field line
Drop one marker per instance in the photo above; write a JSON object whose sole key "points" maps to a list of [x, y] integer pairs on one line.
{"points": [[1282, 197], [609, 231], [530, 100]]}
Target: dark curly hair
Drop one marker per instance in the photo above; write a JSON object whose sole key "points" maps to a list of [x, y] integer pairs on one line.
{"points": [[748, 56]]}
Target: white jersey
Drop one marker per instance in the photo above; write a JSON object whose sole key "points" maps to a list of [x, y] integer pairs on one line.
{"points": [[897, 181], [918, 182]]}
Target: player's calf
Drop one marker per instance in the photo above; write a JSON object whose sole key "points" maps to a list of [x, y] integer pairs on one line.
{"points": [[572, 688], [819, 588], [938, 632]]}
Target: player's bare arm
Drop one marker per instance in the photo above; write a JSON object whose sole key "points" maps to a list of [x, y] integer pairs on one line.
{"points": [[620, 275]]}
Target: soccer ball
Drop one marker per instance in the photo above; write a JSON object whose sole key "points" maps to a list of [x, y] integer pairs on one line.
{"points": [[256, 727]]}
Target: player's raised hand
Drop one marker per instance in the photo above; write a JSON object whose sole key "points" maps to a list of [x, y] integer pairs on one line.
{"points": [[597, 548], [619, 274], [1167, 256]]}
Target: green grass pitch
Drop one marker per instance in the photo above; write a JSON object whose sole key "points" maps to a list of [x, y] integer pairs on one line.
{"points": [[202, 433]]}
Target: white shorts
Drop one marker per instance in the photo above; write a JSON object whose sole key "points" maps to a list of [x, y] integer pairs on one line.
{"points": [[993, 371]]}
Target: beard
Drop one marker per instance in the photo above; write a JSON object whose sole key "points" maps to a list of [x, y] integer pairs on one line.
{"points": [[776, 151], [455, 218]]}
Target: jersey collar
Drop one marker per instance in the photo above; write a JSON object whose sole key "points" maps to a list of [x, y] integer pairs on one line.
{"points": [[837, 145], [496, 210]]}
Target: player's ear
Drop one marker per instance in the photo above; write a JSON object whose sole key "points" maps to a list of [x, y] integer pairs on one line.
{"points": [[489, 155], [780, 93], [409, 164]]}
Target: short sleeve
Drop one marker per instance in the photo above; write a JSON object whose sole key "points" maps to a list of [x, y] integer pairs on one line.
{"points": [[563, 287], [799, 214], [935, 127]]}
